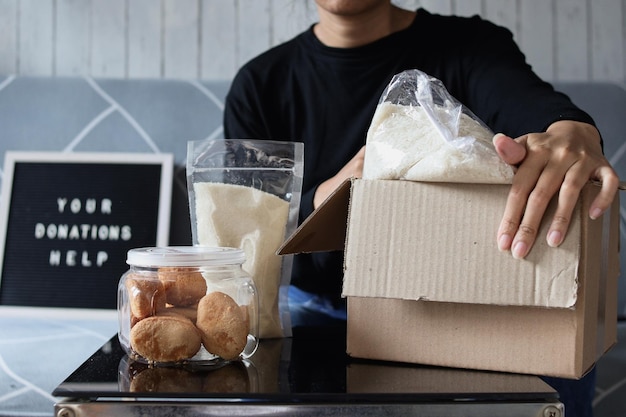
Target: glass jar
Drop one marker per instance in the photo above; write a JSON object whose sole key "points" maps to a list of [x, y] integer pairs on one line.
{"points": [[187, 304]]}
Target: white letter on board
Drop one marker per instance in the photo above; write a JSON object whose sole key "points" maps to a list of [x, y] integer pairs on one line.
{"points": [[40, 231], [55, 257], [61, 203], [126, 234], [105, 207], [75, 205], [85, 259], [70, 258], [101, 258], [90, 205]]}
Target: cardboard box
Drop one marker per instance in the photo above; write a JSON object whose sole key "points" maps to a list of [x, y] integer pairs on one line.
{"points": [[426, 283]]}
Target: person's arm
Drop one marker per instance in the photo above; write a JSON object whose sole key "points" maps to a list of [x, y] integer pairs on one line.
{"points": [[353, 169]]}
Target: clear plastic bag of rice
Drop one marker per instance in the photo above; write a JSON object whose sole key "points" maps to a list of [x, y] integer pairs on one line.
{"points": [[419, 132], [245, 193]]}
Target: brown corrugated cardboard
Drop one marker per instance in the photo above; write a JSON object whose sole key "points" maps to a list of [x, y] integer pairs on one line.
{"points": [[426, 283], [437, 242]]}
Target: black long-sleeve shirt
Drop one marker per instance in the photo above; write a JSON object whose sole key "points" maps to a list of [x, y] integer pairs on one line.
{"points": [[325, 97]]}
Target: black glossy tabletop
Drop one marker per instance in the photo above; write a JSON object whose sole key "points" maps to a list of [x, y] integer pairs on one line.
{"points": [[311, 366]]}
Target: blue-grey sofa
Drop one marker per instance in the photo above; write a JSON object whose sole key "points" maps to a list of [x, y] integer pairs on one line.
{"points": [[81, 114]]}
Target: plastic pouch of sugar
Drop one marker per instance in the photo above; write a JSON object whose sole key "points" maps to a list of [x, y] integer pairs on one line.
{"points": [[245, 193], [419, 132]]}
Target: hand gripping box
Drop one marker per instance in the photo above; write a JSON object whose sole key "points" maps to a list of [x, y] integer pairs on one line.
{"points": [[426, 283]]}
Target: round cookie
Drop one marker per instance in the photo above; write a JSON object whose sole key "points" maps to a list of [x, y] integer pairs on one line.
{"points": [[183, 286], [165, 339], [146, 296], [223, 327]]}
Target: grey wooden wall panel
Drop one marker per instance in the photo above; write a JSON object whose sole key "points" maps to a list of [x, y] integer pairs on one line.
{"points": [[606, 21], [8, 40], [144, 39], [218, 40], [71, 42], [181, 47], [108, 38], [537, 39], [437, 6], [467, 7], [35, 37], [572, 35], [564, 40], [254, 29]]}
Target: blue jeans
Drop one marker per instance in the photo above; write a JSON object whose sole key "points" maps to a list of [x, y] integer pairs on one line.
{"points": [[576, 395], [308, 309]]}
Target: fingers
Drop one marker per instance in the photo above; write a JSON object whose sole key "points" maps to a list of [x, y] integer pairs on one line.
{"points": [[610, 184], [568, 196], [509, 150], [569, 192], [534, 185], [512, 234]]}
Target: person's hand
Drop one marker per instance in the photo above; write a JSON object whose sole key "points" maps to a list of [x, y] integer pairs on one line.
{"points": [[353, 169], [559, 161]]}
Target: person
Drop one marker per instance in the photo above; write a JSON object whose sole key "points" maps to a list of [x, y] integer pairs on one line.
{"points": [[323, 86]]}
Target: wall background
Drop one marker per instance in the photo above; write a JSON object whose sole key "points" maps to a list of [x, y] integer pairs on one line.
{"points": [[564, 40]]}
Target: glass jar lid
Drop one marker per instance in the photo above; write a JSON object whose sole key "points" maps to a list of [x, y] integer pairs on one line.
{"points": [[184, 256]]}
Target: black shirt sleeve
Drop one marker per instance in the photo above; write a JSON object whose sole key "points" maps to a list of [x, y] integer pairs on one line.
{"points": [[502, 89]]}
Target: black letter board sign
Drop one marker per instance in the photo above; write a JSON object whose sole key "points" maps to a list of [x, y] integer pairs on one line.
{"points": [[67, 221]]}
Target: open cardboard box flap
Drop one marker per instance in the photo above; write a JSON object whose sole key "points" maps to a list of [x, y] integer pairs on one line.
{"points": [[437, 242], [325, 228]]}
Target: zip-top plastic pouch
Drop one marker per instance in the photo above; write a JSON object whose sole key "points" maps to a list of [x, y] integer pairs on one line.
{"points": [[245, 193]]}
